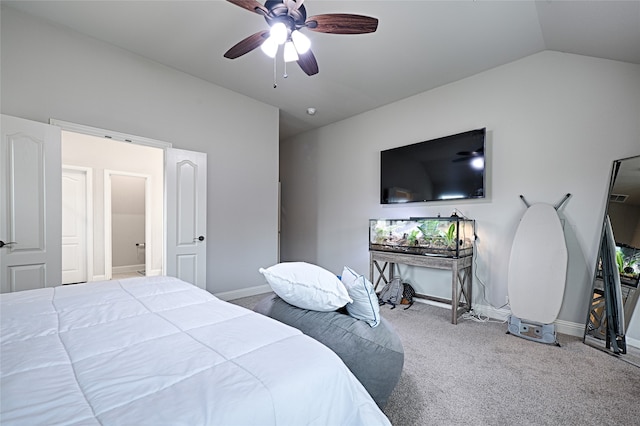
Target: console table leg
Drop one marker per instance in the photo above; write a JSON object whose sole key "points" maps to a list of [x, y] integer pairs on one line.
{"points": [[371, 272], [454, 293]]}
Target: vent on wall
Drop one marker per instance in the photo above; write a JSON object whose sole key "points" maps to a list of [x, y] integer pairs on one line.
{"points": [[618, 198]]}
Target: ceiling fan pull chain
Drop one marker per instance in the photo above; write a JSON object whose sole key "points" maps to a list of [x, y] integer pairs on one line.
{"points": [[275, 75], [285, 75]]}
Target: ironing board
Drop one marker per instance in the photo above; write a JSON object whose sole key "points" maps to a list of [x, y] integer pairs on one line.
{"points": [[537, 273]]}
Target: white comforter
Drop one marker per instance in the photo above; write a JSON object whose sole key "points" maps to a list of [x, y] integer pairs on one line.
{"points": [[159, 351]]}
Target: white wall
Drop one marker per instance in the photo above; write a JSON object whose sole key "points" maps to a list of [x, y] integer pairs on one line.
{"points": [[555, 123], [51, 72]]}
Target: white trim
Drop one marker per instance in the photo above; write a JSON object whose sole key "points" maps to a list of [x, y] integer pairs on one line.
{"points": [[109, 134], [244, 292], [432, 303], [108, 261], [501, 314], [632, 342], [127, 268], [570, 328], [153, 272]]}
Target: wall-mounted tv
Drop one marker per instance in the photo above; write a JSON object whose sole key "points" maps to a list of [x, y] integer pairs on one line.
{"points": [[446, 168]]}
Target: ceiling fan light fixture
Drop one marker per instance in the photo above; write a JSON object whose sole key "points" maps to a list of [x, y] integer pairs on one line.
{"points": [[279, 32], [478, 163], [270, 47], [301, 41], [290, 54], [285, 18]]}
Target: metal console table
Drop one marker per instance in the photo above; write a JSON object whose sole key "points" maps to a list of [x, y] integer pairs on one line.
{"points": [[460, 280]]}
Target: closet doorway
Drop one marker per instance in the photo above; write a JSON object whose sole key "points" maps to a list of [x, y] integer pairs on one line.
{"points": [[113, 165]]}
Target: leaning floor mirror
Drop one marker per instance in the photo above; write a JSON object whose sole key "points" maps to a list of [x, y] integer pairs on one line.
{"points": [[613, 321]]}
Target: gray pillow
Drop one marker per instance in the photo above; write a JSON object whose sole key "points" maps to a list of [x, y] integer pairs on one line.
{"points": [[365, 304], [373, 354]]}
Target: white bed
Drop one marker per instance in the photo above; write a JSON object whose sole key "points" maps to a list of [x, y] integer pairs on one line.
{"points": [[159, 351]]}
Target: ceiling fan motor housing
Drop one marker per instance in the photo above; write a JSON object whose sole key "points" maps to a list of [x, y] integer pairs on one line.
{"points": [[279, 12]]}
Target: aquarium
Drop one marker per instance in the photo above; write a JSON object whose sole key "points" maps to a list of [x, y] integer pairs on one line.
{"points": [[432, 236], [628, 261]]}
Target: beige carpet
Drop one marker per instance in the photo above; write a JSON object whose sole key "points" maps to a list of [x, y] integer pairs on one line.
{"points": [[475, 373]]}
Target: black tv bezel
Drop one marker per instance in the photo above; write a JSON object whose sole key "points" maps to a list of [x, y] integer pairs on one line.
{"points": [[482, 130]]}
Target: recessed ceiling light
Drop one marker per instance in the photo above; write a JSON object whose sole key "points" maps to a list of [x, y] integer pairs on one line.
{"points": [[311, 111]]}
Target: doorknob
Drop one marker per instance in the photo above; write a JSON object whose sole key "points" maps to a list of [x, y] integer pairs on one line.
{"points": [[200, 238], [2, 243]]}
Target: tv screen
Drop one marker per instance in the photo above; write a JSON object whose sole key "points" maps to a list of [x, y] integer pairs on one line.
{"points": [[446, 168]]}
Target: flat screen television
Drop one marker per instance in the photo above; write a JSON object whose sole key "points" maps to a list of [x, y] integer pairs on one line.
{"points": [[446, 168]]}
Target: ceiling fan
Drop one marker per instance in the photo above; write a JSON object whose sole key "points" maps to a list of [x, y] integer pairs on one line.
{"points": [[286, 18]]}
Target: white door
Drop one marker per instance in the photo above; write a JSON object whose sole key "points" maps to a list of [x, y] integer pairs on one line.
{"points": [[74, 225], [186, 206], [30, 209]]}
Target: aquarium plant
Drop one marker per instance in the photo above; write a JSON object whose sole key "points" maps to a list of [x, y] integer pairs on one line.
{"points": [[450, 235], [412, 239]]}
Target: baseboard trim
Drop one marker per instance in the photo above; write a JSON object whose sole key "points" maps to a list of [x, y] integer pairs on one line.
{"points": [[632, 342], [570, 328], [500, 314], [243, 292], [127, 268], [432, 303]]}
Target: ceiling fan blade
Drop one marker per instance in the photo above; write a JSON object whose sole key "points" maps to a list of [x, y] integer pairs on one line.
{"points": [[308, 63], [342, 23], [478, 152], [246, 45], [250, 5]]}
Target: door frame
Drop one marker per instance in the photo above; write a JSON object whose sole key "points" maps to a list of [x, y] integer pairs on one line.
{"points": [[88, 172], [108, 228], [138, 140], [109, 134], [166, 147]]}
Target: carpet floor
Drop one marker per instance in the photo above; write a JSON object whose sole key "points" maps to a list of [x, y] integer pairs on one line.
{"points": [[475, 373]]}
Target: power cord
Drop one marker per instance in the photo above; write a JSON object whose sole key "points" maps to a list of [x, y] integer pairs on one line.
{"points": [[472, 315]]}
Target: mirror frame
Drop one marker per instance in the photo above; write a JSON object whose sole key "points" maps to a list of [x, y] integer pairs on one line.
{"points": [[589, 339]]}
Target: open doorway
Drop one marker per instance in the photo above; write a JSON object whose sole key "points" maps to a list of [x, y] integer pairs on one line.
{"points": [[125, 213], [111, 163]]}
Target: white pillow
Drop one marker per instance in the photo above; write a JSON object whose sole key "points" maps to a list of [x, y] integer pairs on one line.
{"points": [[365, 304], [306, 286]]}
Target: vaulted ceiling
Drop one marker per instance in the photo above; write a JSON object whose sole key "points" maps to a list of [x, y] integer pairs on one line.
{"points": [[419, 45]]}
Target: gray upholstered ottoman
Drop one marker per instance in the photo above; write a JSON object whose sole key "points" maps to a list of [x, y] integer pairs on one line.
{"points": [[374, 355]]}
